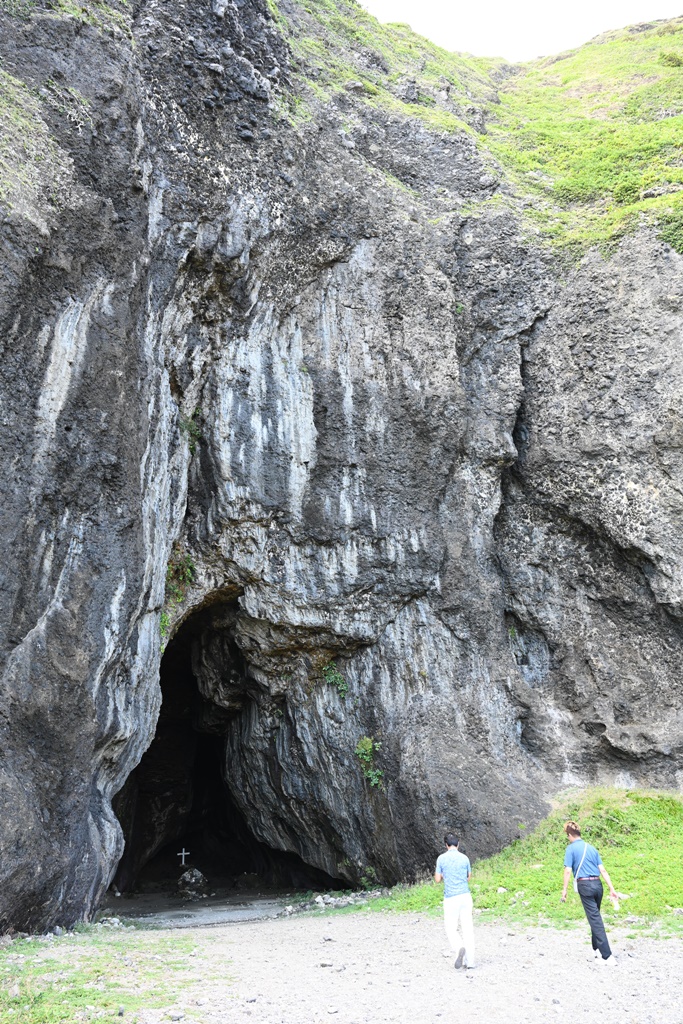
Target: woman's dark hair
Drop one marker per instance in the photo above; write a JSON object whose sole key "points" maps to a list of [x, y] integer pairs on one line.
{"points": [[450, 839]]}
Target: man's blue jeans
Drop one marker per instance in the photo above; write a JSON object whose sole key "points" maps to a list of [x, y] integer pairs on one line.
{"points": [[591, 892]]}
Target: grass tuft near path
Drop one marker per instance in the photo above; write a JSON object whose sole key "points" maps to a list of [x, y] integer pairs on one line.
{"points": [[638, 833]]}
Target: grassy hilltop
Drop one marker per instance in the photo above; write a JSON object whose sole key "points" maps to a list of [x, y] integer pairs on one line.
{"points": [[589, 142], [596, 134]]}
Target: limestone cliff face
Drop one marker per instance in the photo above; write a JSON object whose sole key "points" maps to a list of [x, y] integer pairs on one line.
{"points": [[383, 432]]}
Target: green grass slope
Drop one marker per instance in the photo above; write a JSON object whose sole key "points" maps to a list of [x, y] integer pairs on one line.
{"points": [[639, 835], [590, 142], [338, 45], [596, 135]]}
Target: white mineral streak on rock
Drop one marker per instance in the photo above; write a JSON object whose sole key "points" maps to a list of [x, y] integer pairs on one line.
{"points": [[110, 650], [22, 651], [127, 727], [42, 340], [139, 139], [155, 478], [311, 571], [106, 847], [46, 556], [262, 371], [67, 352], [156, 221], [295, 424]]}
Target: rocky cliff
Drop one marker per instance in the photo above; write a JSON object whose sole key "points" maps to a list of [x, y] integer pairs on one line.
{"points": [[304, 430]]}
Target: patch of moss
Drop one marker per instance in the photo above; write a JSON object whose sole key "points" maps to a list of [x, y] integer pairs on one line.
{"points": [[18, 8], [93, 12], [671, 227], [395, 182], [31, 165]]}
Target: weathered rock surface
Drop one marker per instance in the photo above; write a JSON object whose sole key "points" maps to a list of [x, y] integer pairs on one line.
{"points": [[381, 432]]}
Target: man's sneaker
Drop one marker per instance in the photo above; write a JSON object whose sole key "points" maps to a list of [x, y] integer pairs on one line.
{"points": [[460, 957], [611, 961]]}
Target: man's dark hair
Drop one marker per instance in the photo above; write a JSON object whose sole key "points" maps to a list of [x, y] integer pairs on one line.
{"points": [[450, 839]]}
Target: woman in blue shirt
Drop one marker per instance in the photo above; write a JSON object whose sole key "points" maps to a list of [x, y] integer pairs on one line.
{"points": [[586, 863]]}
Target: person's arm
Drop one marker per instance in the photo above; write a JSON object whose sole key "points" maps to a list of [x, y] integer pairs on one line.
{"points": [[603, 872], [438, 877], [567, 876]]}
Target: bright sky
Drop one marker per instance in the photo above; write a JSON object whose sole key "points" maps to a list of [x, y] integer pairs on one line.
{"points": [[521, 30]]}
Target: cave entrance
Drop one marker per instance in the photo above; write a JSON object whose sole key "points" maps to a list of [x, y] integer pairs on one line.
{"points": [[178, 797]]}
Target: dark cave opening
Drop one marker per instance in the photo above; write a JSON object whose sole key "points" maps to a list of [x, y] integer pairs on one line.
{"points": [[178, 798]]}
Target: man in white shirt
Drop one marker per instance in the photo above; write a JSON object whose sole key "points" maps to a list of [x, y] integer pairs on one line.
{"points": [[454, 870]]}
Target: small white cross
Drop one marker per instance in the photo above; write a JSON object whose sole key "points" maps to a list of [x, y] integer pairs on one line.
{"points": [[183, 854]]}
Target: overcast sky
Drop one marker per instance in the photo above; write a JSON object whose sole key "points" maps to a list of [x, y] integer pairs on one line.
{"points": [[521, 30]]}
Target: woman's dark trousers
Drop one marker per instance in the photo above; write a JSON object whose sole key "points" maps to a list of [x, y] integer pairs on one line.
{"points": [[591, 892]]}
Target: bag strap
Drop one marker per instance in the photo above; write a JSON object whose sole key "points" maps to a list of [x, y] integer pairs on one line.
{"points": [[585, 851]]}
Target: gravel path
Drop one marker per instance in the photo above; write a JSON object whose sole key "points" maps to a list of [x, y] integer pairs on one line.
{"points": [[376, 968]]}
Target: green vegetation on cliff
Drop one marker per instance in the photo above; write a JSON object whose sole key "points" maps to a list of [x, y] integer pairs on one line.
{"points": [[596, 135], [639, 835], [35, 172], [340, 47], [30, 162], [590, 142], [93, 12]]}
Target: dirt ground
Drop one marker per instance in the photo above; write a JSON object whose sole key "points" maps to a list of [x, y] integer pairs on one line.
{"points": [[375, 968]]}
